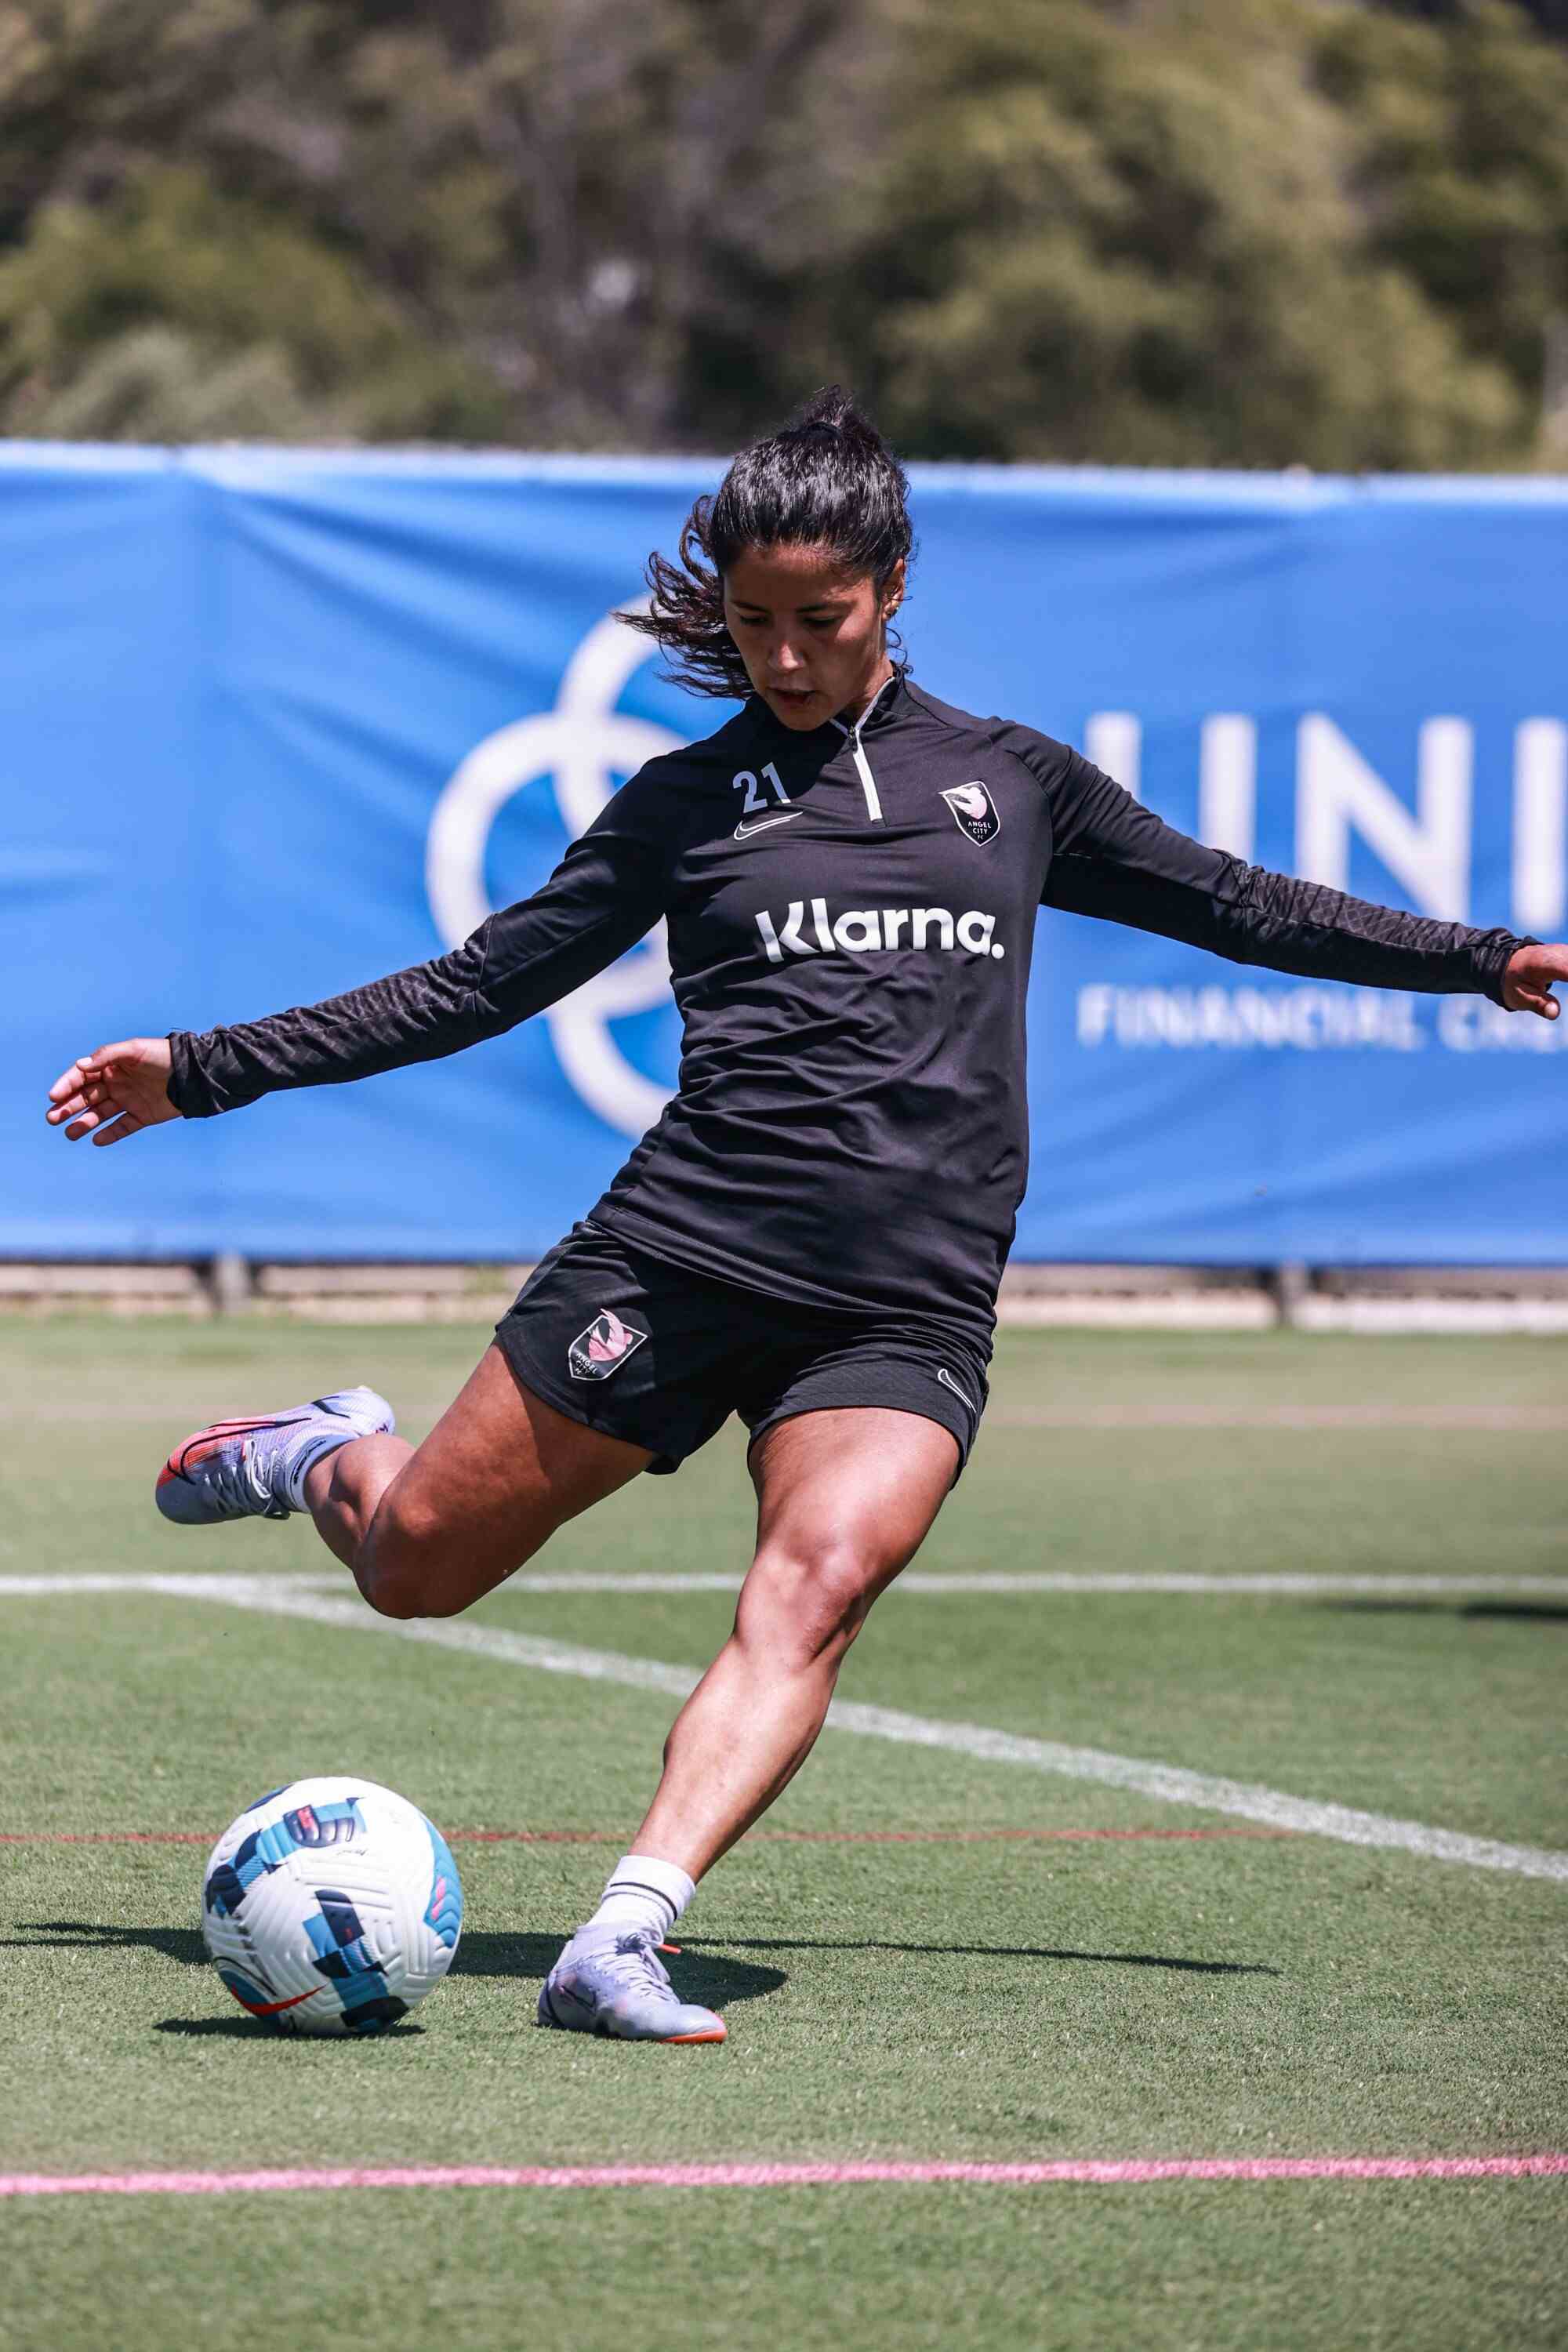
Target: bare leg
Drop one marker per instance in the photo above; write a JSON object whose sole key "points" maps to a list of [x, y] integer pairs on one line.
{"points": [[426, 1532], [343, 1489], [845, 1499]]}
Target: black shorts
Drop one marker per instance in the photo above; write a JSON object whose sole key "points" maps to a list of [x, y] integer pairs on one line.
{"points": [[650, 1352]]}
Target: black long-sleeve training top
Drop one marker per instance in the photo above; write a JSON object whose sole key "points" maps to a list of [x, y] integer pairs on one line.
{"points": [[851, 915]]}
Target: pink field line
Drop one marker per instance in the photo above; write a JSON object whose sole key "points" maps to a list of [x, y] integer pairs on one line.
{"points": [[1113, 2172], [618, 1837]]}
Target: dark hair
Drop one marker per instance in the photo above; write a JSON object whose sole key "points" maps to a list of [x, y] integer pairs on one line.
{"points": [[827, 480]]}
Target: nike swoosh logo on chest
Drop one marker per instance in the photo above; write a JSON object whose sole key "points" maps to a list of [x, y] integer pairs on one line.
{"points": [[744, 832]]}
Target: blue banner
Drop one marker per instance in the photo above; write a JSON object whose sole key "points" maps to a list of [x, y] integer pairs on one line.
{"points": [[276, 723]]}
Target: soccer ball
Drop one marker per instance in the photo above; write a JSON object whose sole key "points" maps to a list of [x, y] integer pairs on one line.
{"points": [[331, 1906]]}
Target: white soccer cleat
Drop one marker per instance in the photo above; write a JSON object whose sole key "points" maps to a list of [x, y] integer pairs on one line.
{"points": [[250, 1469], [620, 1989]]}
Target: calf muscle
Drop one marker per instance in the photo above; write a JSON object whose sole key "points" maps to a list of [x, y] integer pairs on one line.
{"points": [[845, 1499], [428, 1531]]}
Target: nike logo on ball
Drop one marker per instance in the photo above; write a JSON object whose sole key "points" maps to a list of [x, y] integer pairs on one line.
{"points": [[744, 832], [272, 2007]]}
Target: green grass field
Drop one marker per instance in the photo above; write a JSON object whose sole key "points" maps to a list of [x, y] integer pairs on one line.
{"points": [[934, 1997]]}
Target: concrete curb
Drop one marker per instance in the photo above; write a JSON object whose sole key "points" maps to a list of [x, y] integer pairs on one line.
{"points": [[1474, 1300]]}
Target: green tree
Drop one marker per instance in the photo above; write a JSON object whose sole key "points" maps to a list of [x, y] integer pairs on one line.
{"points": [[1150, 231], [1150, 237]]}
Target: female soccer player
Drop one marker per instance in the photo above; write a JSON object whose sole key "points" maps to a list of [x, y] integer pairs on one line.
{"points": [[813, 1235]]}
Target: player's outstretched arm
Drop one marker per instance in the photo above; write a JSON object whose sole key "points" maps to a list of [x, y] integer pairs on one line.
{"points": [[605, 893], [1527, 981], [114, 1091], [1116, 859]]}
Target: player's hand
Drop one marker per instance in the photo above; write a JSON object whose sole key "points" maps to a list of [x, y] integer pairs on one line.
{"points": [[1527, 982], [114, 1091]]}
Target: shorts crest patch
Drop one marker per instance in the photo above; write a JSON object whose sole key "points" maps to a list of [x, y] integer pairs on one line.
{"points": [[974, 811], [607, 1343]]}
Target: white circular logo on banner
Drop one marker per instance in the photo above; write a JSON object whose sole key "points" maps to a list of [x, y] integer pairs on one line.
{"points": [[582, 744]]}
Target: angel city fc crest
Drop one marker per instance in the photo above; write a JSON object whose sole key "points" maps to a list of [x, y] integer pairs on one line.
{"points": [[607, 1343], [974, 811]]}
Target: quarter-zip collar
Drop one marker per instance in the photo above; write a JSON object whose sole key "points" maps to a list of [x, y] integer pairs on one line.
{"points": [[881, 707], [883, 698], [835, 732], [857, 749]]}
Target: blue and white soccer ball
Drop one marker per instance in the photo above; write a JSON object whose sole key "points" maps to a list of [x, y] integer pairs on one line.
{"points": [[331, 1906]]}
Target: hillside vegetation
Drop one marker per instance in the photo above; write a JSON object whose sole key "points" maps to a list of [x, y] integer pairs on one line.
{"points": [[1188, 232]]}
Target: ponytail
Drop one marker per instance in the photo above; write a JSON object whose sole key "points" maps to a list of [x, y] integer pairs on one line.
{"points": [[827, 480]]}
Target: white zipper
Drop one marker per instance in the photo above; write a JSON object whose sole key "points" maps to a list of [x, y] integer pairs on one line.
{"points": [[868, 781], [862, 764]]}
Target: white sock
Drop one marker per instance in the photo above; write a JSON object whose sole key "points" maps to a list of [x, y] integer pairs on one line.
{"points": [[642, 1895], [300, 1456]]}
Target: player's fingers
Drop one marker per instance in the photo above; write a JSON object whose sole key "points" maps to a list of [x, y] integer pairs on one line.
{"points": [[85, 1098], [85, 1121], [108, 1061], [69, 1082], [126, 1124]]}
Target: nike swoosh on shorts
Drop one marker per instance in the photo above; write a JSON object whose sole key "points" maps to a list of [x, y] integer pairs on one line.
{"points": [[945, 1377], [743, 832]]}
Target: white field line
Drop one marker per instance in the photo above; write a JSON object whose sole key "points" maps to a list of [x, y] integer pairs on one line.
{"points": [[1167, 1783], [43, 1588], [1026, 1580], [1283, 1587]]}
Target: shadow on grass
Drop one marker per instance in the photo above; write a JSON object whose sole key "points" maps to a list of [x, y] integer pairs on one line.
{"points": [[1527, 1612], [699, 1974], [240, 2028], [181, 1944], [704, 1976], [702, 1973], [1006, 1952], [1534, 1612]]}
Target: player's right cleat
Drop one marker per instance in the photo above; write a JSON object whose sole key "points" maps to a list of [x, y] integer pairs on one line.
{"points": [[621, 1989], [255, 1469]]}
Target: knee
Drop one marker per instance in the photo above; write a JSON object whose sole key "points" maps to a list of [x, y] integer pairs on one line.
{"points": [[809, 1598], [403, 1567]]}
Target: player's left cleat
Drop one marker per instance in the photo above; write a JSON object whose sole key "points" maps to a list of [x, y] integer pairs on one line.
{"points": [[256, 1468], [622, 1989]]}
